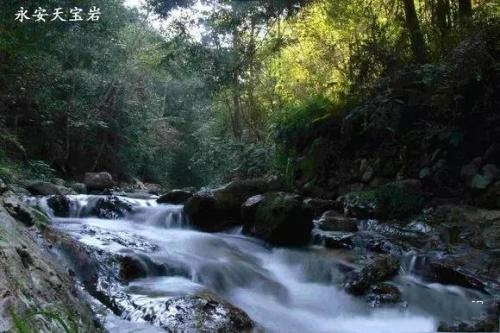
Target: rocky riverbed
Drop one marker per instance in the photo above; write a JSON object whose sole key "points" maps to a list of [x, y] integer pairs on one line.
{"points": [[250, 257]]}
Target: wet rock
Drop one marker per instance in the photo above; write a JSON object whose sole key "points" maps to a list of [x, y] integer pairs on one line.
{"points": [[231, 196], [333, 221], [152, 188], [281, 219], [249, 208], [485, 323], [450, 271], [43, 188], [60, 205], [359, 204], [134, 266], [218, 209], [98, 181], [204, 213], [383, 293], [320, 206], [333, 239], [110, 207], [175, 197], [381, 245], [33, 281], [27, 215], [380, 269], [197, 313]]}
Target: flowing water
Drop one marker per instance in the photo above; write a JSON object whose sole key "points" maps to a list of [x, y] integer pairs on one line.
{"points": [[283, 290]]}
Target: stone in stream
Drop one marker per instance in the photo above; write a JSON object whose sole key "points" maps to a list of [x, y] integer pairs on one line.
{"points": [[219, 209], [333, 221], [98, 181], [320, 206], [202, 312], [281, 219], [383, 293], [60, 205], [110, 207], [380, 269], [175, 197], [484, 323]]}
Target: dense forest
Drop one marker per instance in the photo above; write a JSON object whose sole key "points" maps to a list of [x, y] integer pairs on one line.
{"points": [[220, 91], [379, 120]]}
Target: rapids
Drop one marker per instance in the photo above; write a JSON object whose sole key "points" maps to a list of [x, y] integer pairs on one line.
{"points": [[282, 290]]}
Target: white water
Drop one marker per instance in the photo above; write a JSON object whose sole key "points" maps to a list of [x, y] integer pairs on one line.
{"points": [[283, 290]]}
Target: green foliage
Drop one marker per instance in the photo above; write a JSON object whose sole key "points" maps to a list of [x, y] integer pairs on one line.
{"points": [[252, 94], [218, 160], [297, 117]]}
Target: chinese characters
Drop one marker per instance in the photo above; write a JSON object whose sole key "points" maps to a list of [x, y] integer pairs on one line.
{"points": [[42, 15]]}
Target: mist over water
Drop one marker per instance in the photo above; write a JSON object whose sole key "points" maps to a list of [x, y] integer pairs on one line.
{"points": [[282, 290]]}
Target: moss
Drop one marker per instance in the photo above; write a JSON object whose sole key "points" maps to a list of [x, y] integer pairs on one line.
{"points": [[64, 320], [40, 218], [386, 202], [395, 202]]}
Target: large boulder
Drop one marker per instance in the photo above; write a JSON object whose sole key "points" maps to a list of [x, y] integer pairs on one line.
{"points": [[98, 181], [204, 213], [249, 208], [218, 209], [175, 197], [43, 188], [280, 219], [231, 196]]}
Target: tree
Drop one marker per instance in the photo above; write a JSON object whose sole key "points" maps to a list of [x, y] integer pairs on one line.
{"points": [[416, 37]]}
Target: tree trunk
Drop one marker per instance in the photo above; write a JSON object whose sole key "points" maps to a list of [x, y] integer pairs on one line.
{"points": [[416, 37], [464, 11]]}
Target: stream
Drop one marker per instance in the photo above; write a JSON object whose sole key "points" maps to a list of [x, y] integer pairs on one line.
{"points": [[281, 290]]}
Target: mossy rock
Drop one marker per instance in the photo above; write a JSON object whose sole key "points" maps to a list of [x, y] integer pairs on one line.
{"points": [[386, 202], [281, 219]]}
